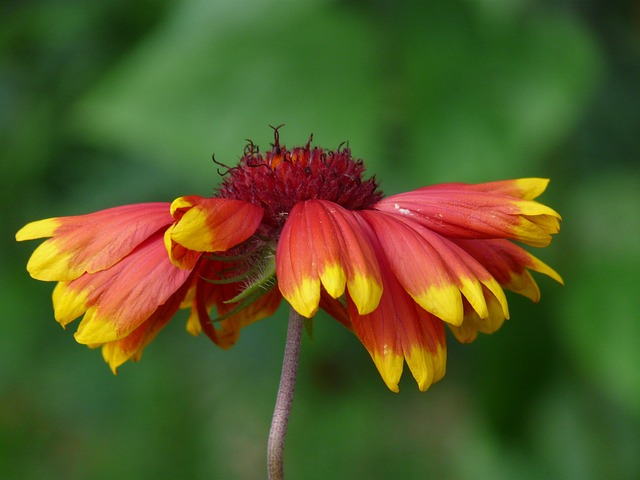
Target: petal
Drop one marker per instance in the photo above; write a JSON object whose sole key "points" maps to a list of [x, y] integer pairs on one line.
{"points": [[378, 333], [121, 298], [494, 210], [400, 330], [523, 188], [510, 265], [180, 256], [92, 242], [204, 294], [40, 229], [71, 300], [364, 281], [323, 244], [473, 323], [433, 270], [229, 330], [209, 295], [130, 347], [298, 277], [213, 224]]}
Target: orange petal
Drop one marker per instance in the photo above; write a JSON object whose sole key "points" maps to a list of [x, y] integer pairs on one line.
{"points": [[204, 294], [433, 270], [92, 242], [213, 224], [473, 323], [121, 298], [298, 277], [400, 330], [378, 332], [523, 188], [323, 244], [509, 264], [130, 347], [493, 210], [180, 256]]}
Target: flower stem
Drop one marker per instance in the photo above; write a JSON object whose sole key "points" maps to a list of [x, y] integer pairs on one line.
{"points": [[280, 421]]}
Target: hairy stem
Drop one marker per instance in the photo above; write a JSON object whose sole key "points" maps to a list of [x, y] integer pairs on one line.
{"points": [[280, 421]]}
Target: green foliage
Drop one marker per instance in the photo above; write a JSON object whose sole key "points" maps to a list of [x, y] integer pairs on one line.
{"points": [[107, 103]]}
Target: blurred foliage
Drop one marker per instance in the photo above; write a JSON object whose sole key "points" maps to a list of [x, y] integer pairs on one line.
{"points": [[114, 102]]}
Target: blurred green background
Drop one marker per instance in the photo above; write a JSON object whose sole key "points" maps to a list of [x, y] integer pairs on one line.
{"points": [[112, 102]]}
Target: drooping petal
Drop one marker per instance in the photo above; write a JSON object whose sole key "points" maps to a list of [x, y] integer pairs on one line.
{"points": [[213, 224], [473, 323], [72, 299], [228, 332], [510, 265], [92, 242], [433, 270], [130, 347], [399, 330], [205, 293], [378, 333], [121, 298], [209, 295], [494, 210], [323, 244]]}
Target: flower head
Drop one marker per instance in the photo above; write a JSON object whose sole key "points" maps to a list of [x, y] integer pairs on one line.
{"points": [[304, 225]]}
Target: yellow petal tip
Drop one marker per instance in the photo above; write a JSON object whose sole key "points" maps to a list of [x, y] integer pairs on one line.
{"points": [[38, 229], [443, 301], [365, 292], [305, 298], [333, 280], [389, 366]]}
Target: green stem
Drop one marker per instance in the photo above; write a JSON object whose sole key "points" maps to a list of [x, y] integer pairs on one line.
{"points": [[280, 421]]}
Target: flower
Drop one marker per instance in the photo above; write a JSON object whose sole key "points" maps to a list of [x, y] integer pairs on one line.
{"points": [[303, 225]]}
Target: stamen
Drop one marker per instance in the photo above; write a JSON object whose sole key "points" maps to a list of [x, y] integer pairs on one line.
{"points": [[228, 168]]}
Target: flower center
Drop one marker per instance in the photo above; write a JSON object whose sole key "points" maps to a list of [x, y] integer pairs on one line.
{"points": [[280, 178]]}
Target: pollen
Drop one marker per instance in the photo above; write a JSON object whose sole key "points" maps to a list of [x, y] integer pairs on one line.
{"points": [[403, 211]]}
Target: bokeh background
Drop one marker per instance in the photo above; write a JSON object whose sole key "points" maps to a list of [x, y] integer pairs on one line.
{"points": [[112, 102]]}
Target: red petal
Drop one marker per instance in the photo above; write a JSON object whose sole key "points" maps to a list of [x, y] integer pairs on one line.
{"points": [[130, 347], [323, 244], [523, 188], [478, 211], [92, 242], [400, 330], [473, 323], [508, 264], [121, 298], [432, 269], [213, 224], [209, 295]]}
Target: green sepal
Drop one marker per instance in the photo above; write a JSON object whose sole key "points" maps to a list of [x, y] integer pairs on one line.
{"points": [[246, 301], [263, 282], [260, 279], [226, 281]]}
